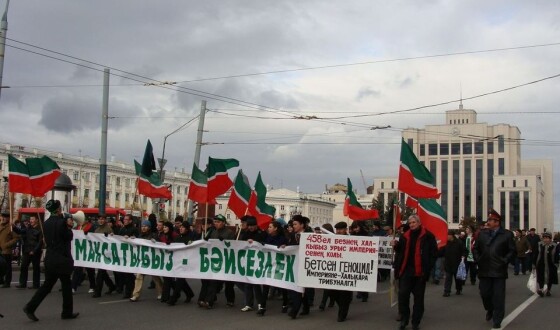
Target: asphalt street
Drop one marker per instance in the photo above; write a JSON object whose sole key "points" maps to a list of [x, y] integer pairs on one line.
{"points": [[523, 311]]}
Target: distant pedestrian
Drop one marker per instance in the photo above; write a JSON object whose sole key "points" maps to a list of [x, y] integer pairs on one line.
{"points": [[454, 252], [546, 261], [493, 251], [32, 250], [8, 239]]}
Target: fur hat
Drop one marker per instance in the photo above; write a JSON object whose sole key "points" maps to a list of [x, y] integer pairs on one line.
{"points": [[52, 205], [341, 225]]}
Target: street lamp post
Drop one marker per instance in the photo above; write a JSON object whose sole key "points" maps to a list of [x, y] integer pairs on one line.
{"points": [[3, 32]]}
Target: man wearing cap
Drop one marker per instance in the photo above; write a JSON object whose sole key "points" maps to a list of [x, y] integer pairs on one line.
{"points": [[222, 232], [493, 250], [342, 297], [8, 238], [146, 233], [103, 227], [58, 263]]}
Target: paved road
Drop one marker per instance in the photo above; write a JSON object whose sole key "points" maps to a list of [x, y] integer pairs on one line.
{"points": [[455, 312]]}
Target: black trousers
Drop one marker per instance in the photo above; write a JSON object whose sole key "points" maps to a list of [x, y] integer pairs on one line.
{"points": [[8, 275], [103, 277], [212, 291], [493, 294], [45, 289], [78, 274], [415, 285], [181, 285], [262, 295], [472, 270], [128, 284], [299, 300], [343, 299], [449, 278], [35, 260]]}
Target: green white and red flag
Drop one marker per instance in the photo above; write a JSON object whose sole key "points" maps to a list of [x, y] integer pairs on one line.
{"points": [[218, 179], [18, 177], [240, 195], [433, 219], [149, 181], [43, 173], [258, 206], [411, 202], [414, 177], [198, 187], [36, 177], [353, 209]]}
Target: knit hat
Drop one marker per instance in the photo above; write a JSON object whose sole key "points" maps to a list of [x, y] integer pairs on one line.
{"points": [[52, 205], [220, 217], [547, 234], [146, 223]]}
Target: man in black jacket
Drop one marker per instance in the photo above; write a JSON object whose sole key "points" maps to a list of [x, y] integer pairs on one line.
{"points": [[31, 254], [128, 230], [415, 253], [493, 250], [58, 263]]}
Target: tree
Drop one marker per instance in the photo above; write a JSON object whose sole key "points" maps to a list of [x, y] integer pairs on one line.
{"points": [[468, 222]]}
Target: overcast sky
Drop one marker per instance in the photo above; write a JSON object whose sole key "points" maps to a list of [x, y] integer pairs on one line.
{"points": [[56, 105]]}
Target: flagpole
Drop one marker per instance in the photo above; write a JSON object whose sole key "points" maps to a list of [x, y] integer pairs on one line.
{"points": [[133, 199], [206, 218], [10, 198]]}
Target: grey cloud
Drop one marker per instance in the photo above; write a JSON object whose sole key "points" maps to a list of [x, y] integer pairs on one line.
{"points": [[68, 113], [366, 92]]}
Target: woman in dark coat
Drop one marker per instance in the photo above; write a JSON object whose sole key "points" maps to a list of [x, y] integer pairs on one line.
{"points": [[180, 284], [453, 252], [546, 262]]}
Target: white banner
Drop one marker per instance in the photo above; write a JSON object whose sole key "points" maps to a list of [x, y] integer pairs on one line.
{"points": [[226, 260], [385, 252], [338, 262]]}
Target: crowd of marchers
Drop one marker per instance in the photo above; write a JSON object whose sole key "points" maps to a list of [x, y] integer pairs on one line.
{"points": [[472, 254]]}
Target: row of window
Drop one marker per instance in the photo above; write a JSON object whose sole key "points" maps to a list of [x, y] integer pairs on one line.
{"points": [[459, 148]]}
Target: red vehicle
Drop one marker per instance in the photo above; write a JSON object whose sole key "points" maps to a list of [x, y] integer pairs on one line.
{"points": [[90, 212]]}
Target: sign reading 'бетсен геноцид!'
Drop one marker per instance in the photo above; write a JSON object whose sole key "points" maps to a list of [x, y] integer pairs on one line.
{"points": [[338, 262], [238, 261]]}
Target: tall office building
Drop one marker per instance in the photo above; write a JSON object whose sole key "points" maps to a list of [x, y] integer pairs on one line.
{"points": [[478, 166]]}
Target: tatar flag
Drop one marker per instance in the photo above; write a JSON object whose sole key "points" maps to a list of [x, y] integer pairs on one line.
{"points": [[218, 179], [433, 219], [36, 177], [258, 206], [149, 182], [198, 187], [411, 202], [18, 177], [43, 173], [414, 178], [240, 195], [354, 210]]}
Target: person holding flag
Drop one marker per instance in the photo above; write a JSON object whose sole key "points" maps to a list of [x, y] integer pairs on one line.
{"points": [[415, 255], [8, 238]]}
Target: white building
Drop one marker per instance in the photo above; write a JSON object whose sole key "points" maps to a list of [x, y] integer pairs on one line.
{"points": [[288, 203], [478, 166], [337, 194], [84, 172]]}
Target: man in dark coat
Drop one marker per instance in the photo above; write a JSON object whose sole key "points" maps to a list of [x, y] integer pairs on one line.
{"points": [[415, 253], [493, 251], [31, 253], [128, 230], [58, 263], [453, 252]]}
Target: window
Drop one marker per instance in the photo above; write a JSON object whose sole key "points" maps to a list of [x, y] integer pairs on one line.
{"points": [[392, 185], [490, 147], [75, 193], [411, 143], [281, 207], [127, 183], [432, 149], [467, 148], [117, 196], [76, 176], [178, 204], [479, 148], [444, 149], [126, 197], [467, 177], [501, 166], [525, 210], [444, 188], [87, 176], [526, 183], [501, 143], [455, 201], [455, 148], [228, 215], [86, 193], [514, 183], [514, 211], [118, 181], [490, 183], [178, 189], [422, 149], [97, 178], [479, 189], [145, 200], [219, 206], [382, 185], [433, 170]]}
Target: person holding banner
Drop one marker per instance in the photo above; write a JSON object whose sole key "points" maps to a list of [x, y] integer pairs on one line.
{"points": [[252, 234], [299, 225], [102, 276], [221, 232], [58, 263], [180, 284], [147, 234], [415, 255], [342, 297]]}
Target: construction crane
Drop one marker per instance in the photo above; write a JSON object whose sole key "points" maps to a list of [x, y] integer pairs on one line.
{"points": [[364, 181]]}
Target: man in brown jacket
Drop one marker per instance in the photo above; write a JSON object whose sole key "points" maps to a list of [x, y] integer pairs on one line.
{"points": [[8, 239]]}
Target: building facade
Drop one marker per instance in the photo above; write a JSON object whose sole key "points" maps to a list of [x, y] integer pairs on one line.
{"points": [[288, 203], [477, 166], [84, 173]]}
